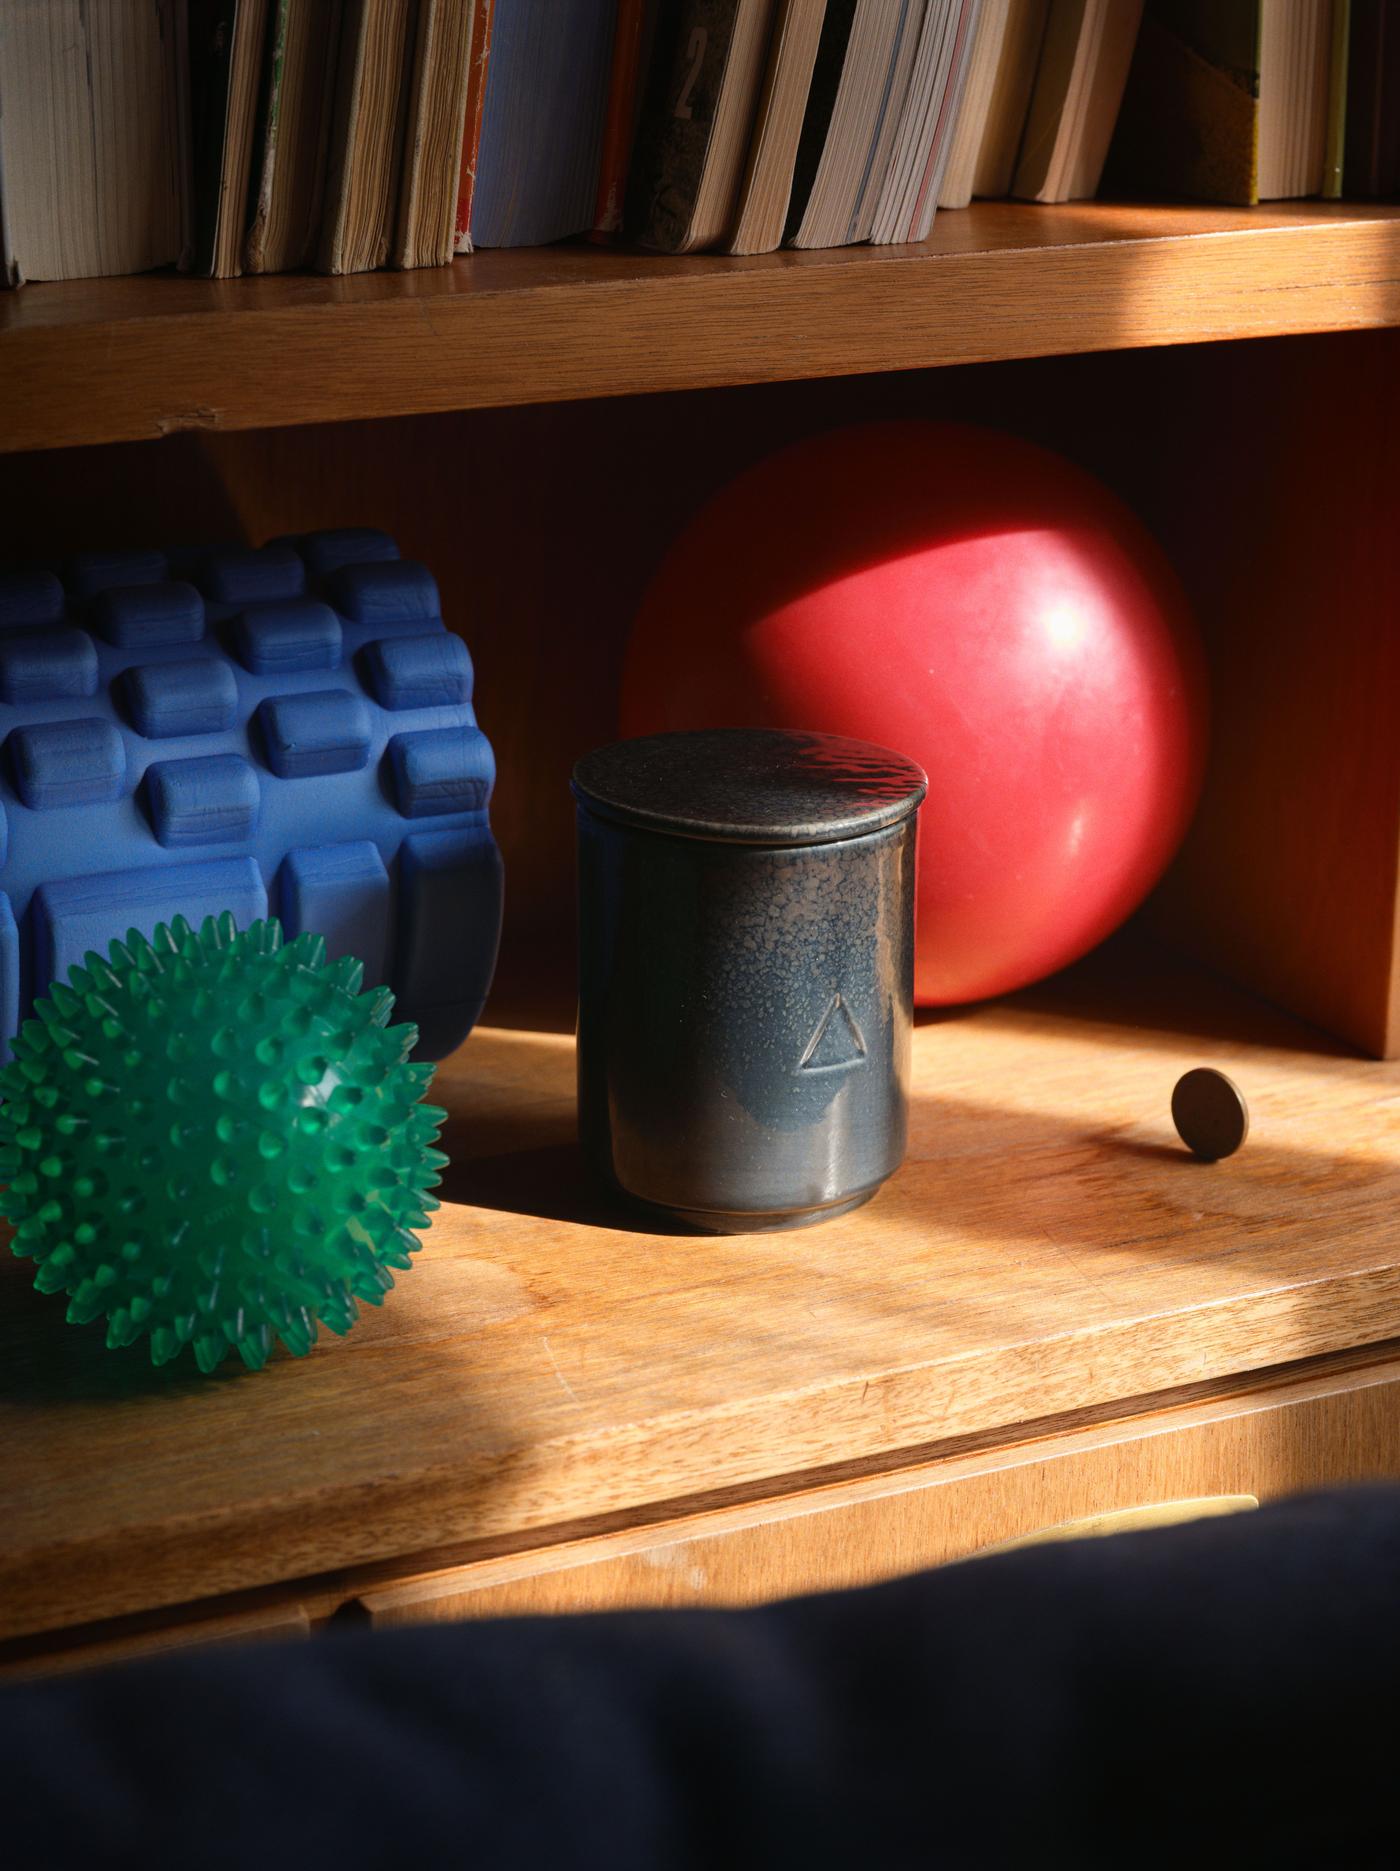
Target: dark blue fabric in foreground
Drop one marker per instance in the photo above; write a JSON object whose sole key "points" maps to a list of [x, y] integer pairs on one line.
{"points": [[1222, 1693]]}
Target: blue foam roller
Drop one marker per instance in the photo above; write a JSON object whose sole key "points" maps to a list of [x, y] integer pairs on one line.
{"points": [[87, 574], [67, 763], [305, 736], [244, 575], [301, 634], [28, 598], [284, 730], [9, 967], [431, 671], [55, 664], [342, 892], [398, 593], [169, 700], [213, 801], [341, 545], [439, 773], [138, 617], [447, 881], [79, 914]]}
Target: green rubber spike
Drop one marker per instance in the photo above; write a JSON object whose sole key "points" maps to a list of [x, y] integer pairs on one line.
{"points": [[216, 1140]]}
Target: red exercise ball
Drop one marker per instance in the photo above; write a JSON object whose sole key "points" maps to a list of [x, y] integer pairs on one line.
{"points": [[986, 608]]}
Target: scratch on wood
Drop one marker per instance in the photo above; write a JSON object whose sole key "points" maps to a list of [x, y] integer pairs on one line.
{"points": [[568, 1388], [201, 418]]}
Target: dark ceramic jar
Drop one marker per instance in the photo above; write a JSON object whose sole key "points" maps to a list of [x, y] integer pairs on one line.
{"points": [[746, 922]]}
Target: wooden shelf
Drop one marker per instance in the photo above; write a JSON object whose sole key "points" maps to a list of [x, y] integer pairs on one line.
{"points": [[123, 359], [545, 1370]]}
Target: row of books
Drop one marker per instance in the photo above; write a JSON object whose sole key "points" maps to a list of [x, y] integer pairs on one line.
{"points": [[229, 136]]}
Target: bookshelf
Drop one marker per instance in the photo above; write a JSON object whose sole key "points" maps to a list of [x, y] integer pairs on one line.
{"points": [[128, 359], [1050, 1312]]}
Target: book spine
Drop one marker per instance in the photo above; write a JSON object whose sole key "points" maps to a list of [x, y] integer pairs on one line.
{"points": [[1336, 101], [471, 135], [400, 96], [821, 102], [926, 196], [176, 15], [442, 67], [10, 274], [914, 21], [426, 51], [790, 61], [329, 17], [350, 59], [969, 126], [674, 138], [1012, 84], [620, 124], [265, 140], [1078, 96], [212, 24]]}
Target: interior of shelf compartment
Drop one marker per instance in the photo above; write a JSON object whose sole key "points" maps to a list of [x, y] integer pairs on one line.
{"points": [[1266, 470]]}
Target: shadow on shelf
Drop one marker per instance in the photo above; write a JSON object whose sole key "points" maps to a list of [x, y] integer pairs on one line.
{"points": [[535, 989], [982, 1172], [549, 1181], [43, 1359], [1133, 987]]}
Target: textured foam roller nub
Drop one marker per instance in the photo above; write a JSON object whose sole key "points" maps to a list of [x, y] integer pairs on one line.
{"points": [[342, 892], [441, 770], [395, 593], [300, 634], [56, 665], [216, 1140], [148, 617], [342, 545], [75, 914], [88, 573], [208, 801], [307, 735], [168, 700], [67, 763], [29, 598], [247, 575], [432, 671]]}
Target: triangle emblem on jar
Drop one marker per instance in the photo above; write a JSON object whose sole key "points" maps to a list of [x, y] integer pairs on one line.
{"points": [[837, 1042]]}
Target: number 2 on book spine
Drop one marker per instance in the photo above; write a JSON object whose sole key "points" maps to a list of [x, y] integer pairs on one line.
{"points": [[695, 52]]}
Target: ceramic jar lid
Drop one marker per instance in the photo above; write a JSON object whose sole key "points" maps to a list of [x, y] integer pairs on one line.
{"points": [[757, 786]]}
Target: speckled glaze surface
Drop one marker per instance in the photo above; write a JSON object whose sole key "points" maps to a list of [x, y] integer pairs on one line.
{"points": [[746, 972], [751, 785]]}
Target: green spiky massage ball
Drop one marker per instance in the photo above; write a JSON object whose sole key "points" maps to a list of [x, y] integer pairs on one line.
{"points": [[216, 1139]]}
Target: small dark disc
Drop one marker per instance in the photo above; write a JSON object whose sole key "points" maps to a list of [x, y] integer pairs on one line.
{"points": [[1210, 1114]]}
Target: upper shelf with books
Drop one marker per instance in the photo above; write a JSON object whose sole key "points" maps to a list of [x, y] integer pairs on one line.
{"points": [[124, 359]]}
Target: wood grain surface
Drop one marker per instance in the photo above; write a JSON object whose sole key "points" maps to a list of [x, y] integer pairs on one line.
{"points": [[1047, 1246], [105, 360], [1181, 1462]]}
